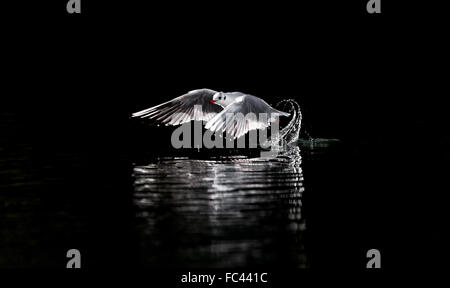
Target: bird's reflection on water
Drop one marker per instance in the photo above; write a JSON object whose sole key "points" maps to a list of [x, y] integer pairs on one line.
{"points": [[225, 212]]}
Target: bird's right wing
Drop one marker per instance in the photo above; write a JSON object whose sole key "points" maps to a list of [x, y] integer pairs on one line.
{"points": [[183, 108], [246, 113]]}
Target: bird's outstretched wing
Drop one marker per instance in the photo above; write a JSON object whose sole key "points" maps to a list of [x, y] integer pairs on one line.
{"points": [[183, 108], [244, 114]]}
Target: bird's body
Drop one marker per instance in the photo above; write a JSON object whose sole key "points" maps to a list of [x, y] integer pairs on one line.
{"points": [[231, 112]]}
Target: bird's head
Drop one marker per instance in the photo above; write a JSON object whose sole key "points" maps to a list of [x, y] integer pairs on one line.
{"points": [[221, 99]]}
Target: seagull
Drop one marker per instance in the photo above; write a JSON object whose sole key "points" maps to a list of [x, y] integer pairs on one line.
{"points": [[219, 110]]}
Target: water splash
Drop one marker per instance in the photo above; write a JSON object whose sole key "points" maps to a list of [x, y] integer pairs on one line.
{"points": [[290, 133]]}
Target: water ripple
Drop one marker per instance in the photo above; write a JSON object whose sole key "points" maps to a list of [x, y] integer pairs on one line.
{"points": [[230, 212]]}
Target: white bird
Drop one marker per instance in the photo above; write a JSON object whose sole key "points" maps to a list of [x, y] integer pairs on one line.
{"points": [[220, 110]]}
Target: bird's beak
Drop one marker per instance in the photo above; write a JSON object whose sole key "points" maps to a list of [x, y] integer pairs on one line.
{"points": [[212, 101]]}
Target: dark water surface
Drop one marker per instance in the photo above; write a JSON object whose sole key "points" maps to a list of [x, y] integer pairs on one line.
{"points": [[165, 212], [319, 198], [234, 212]]}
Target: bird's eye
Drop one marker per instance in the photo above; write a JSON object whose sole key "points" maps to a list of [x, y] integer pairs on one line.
{"points": [[224, 97], [220, 97]]}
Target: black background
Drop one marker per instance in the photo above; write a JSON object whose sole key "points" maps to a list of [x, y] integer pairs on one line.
{"points": [[373, 81]]}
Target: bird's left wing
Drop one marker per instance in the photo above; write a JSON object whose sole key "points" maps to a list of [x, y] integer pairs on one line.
{"points": [[194, 105]]}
